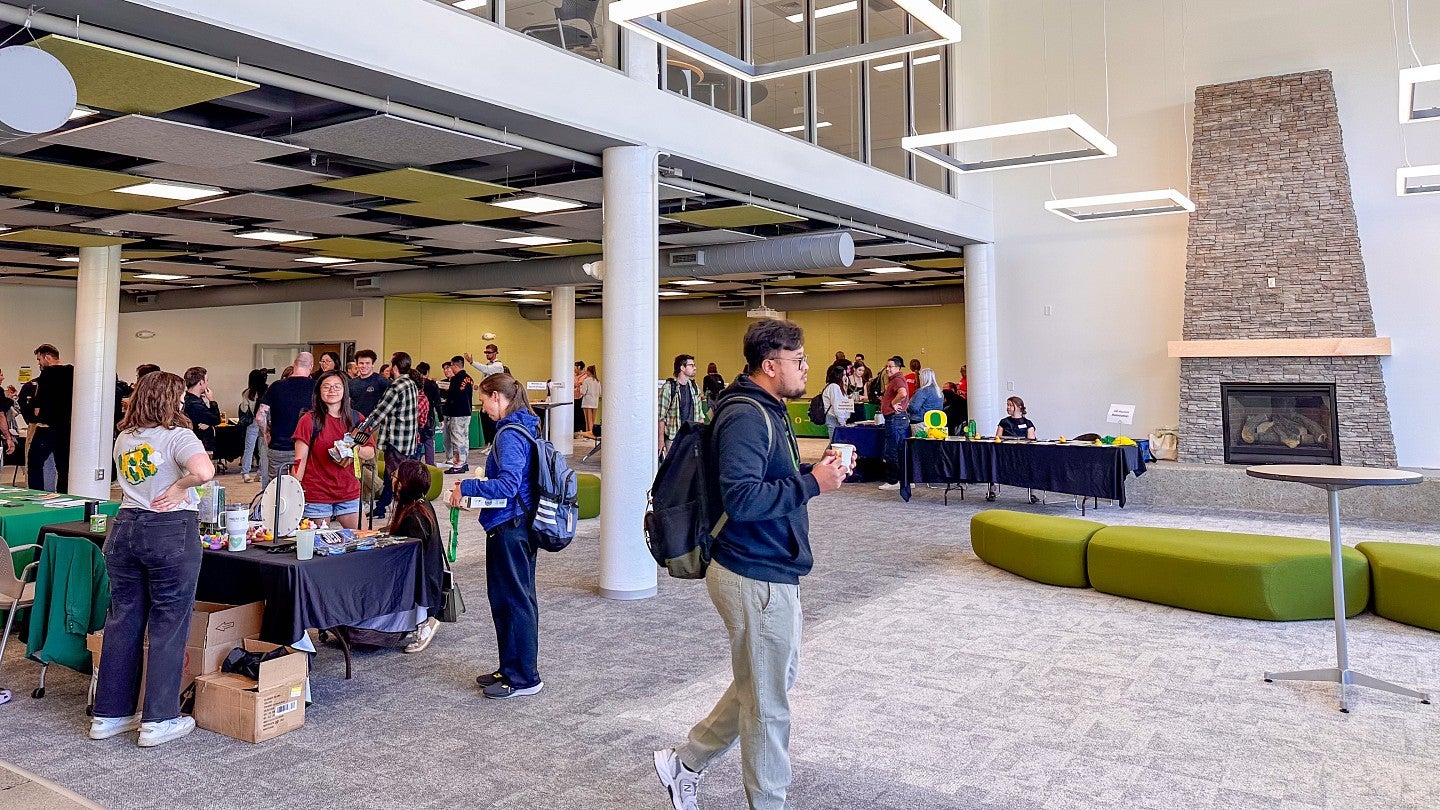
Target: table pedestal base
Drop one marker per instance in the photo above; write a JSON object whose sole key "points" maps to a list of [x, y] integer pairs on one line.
{"points": [[1345, 677]]}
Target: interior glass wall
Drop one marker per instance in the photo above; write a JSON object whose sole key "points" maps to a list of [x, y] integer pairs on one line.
{"points": [[578, 26]]}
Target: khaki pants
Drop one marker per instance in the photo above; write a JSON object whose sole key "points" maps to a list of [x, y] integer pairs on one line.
{"points": [[763, 621]]}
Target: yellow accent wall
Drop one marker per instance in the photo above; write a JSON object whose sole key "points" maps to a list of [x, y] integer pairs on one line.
{"points": [[437, 330]]}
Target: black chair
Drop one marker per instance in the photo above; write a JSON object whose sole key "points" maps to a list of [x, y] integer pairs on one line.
{"points": [[574, 26], [16, 459]]}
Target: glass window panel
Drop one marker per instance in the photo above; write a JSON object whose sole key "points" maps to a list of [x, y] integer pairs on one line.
{"points": [[929, 110], [887, 107], [716, 23], [780, 104], [837, 110], [485, 9], [578, 26], [774, 35]]}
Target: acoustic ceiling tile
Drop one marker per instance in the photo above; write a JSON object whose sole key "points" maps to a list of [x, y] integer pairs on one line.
{"points": [[568, 249], [58, 177], [468, 258], [178, 268], [389, 139], [734, 216], [282, 275], [148, 223], [947, 263], [108, 200], [363, 268], [451, 210], [894, 249], [349, 247], [271, 207], [128, 255], [38, 281], [211, 239], [589, 218], [331, 226], [701, 238], [22, 271], [255, 257], [35, 218], [37, 236], [592, 190], [218, 281], [9, 255], [462, 236], [9, 202], [112, 79], [416, 184], [245, 176], [571, 234], [171, 141]]}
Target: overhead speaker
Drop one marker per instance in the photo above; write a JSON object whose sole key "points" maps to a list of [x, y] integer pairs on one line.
{"points": [[367, 282], [732, 303], [146, 300]]}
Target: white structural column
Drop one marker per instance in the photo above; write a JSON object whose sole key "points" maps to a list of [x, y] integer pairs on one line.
{"points": [[981, 339], [97, 320], [561, 417], [630, 336]]}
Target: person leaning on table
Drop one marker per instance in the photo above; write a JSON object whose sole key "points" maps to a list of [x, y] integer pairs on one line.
{"points": [[153, 558]]}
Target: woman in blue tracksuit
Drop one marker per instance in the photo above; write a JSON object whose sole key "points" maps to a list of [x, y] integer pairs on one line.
{"points": [[509, 546]]}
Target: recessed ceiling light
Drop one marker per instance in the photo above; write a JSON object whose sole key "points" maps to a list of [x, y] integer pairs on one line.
{"points": [[827, 11], [469, 5], [672, 293], [267, 235], [787, 292], [71, 259], [530, 301], [533, 241], [536, 204], [160, 277], [846, 283], [170, 190], [81, 112], [883, 270], [820, 125], [324, 260], [524, 292], [919, 60], [691, 282]]}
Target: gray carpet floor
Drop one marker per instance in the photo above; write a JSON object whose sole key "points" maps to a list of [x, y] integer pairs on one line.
{"points": [[928, 680]]}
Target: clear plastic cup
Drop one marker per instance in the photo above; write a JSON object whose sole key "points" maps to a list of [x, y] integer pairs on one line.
{"points": [[304, 544]]}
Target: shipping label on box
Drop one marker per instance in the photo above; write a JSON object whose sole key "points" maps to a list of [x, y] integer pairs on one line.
{"points": [[255, 710]]}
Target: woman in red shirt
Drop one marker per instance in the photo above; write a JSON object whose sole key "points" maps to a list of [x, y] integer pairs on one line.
{"points": [[332, 492]]}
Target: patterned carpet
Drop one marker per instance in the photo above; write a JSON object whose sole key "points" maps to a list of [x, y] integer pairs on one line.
{"points": [[928, 680]]}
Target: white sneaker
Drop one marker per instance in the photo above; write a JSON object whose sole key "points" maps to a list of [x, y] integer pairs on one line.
{"points": [[424, 634], [683, 783], [163, 731], [103, 728], [889, 487]]}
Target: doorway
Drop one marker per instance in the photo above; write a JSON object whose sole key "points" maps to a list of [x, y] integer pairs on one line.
{"points": [[275, 357]]}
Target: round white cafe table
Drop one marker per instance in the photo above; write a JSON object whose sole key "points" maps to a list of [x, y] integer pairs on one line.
{"points": [[1333, 478]]}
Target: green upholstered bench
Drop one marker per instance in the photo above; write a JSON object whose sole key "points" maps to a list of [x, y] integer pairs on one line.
{"points": [[587, 492], [1044, 548], [1406, 580], [1253, 576]]}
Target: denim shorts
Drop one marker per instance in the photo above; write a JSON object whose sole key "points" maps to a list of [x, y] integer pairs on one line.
{"points": [[332, 510]]}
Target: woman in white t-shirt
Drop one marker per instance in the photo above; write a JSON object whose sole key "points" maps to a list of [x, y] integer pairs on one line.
{"points": [[153, 558], [590, 400], [838, 407]]}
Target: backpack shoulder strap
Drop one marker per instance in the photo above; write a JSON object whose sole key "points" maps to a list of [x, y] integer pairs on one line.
{"points": [[769, 429]]}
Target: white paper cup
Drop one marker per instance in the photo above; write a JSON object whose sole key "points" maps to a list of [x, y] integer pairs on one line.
{"points": [[304, 544], [846, 453]]}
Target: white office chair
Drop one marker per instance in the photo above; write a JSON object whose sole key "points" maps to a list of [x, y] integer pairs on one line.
{"points": [[15, 593]]}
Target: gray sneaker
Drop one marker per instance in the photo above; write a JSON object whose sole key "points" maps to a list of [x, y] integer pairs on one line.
{"points": [[683, 783]]}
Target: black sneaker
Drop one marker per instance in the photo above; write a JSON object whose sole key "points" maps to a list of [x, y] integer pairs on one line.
{"points": [[504, 691], [489, 680]]}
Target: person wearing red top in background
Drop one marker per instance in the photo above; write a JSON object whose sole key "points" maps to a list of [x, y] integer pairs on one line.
{"points": [[332, 492], [963, 387], [912, 377], [897, 422]]}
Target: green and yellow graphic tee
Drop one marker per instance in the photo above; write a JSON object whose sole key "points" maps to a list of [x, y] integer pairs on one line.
{"points": [[150, 460]]}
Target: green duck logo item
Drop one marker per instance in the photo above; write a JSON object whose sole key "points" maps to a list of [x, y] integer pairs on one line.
{"points": [[139, 464]]}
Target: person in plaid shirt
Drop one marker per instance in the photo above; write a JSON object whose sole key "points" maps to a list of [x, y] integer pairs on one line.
{"points": [[680, 401], [395, 422]]}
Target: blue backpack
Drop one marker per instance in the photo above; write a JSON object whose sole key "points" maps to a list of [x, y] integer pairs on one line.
{"points": [[557, 509]]}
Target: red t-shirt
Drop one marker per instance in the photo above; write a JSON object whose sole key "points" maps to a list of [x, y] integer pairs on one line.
{"points": [[912, 381], [325, 481], [896, 392]]}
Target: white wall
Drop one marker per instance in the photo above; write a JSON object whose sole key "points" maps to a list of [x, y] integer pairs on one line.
{"points": [[325, 321], [30, 316], [1116, 288]]}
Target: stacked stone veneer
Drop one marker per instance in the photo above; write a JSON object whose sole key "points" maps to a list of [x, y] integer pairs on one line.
{"points": [[1272, 193]]}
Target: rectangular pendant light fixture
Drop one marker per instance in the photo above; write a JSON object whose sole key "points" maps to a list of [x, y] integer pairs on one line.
{"points": [[1148, 204], [931, 146], [160, 277], [1428, 178], [279, 237], [1409, 78], [937, 28], [171, 190], [533, 241], [536, 204], [324, 260]]}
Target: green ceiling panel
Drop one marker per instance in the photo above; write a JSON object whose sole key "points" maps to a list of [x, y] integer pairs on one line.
{"points": [[112, 79], [734, 216], [108, 200], [59, 178], [349, 247], [418, 185], [949, 263], [40, 236]]}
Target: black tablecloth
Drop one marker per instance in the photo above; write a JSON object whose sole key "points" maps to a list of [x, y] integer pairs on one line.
{"points": [[1086, 470], [323, 592], [229, 442], [76, 528], [869, 441]]}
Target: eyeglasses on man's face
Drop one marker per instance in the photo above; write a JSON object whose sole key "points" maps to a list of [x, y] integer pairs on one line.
{"points": [[802, 360]]}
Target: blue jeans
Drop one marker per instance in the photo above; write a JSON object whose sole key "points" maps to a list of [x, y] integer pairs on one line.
{"points": [[897, 430], [153, 559], [832, 423], [510, 584], [252, 445]]}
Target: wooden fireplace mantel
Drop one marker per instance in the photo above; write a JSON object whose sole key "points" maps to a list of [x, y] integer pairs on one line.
{"points": [[1283, 347]]}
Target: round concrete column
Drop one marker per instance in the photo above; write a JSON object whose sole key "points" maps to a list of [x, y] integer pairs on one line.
{"points": [[561, 418], [982, 353], [630, 336], [97, 321]]}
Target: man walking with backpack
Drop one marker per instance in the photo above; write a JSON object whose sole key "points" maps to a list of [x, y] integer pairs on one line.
{"points": [[757, 559], [681, 400]]}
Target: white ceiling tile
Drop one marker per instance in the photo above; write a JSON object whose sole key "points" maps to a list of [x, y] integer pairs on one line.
{"points": [[171, 141], [245, 176], [331, 226], [390, 139], [271, 207]]}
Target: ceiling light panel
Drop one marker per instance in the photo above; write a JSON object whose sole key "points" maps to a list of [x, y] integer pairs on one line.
{"points": [[271, 207], [112, 79], [171, 141], [1120, 206], [327, 260], [171, 190], [638, 15], [1409, 181], [159, 277], [1410, 80], [273, 236], [243, 176], [931, 146], [392, 140], [532, 241], [538, 204], [418, 185]]}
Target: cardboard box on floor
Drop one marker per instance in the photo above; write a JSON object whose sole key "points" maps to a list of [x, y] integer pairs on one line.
{"points": [[215, 630], [251, 710]]}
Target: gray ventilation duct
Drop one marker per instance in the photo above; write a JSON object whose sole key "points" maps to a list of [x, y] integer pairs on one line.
{"points": [[816, 251], [860, 299]]}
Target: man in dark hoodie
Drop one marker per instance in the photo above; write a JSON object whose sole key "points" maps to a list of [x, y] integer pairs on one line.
{"points": [[50, 414], [754, 575]]}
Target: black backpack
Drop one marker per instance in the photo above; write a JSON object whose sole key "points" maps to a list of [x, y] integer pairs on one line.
{"points": [[817, 409], [686, 512]]}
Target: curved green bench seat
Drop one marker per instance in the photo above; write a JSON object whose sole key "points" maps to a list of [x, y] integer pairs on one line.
{"points": [[1406, 579], [1044, 548], [587, 492], [1252, 576]]}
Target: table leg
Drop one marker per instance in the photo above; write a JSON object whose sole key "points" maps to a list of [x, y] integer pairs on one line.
{"points": [[1341, 674]]}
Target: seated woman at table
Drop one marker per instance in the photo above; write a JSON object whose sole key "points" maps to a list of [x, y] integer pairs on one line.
{"points": [[509, 547], [1016, 425], [838, 406], [153, 559], [926, 398], [332, 492]]}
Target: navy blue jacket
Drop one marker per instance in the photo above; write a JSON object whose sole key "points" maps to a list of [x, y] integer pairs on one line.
{"points": [[507, 472], [768, 533], [459, 396]]}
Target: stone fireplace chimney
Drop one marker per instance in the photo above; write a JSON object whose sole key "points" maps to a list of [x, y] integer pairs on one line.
{"points": [[1275, 288]]}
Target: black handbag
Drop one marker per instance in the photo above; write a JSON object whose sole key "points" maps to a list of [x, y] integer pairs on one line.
{"points": [[454, 603]]}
